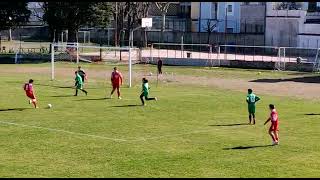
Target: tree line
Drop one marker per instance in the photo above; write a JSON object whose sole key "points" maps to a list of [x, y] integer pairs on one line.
{"points": [[71, 16]]}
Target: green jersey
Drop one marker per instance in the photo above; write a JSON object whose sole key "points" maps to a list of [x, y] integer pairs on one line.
{"points": [[252, 99], [79, 82], [145, 89]]}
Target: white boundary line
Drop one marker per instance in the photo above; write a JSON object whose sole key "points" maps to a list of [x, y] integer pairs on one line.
{"points": [[174, 135], [64, 131], [107, 138]]}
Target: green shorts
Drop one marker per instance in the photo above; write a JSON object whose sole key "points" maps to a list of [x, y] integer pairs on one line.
{"points": [[79, 86], [251, 109]]}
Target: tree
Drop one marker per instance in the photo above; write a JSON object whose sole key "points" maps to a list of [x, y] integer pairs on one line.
{"points": [[72, 15], [288, 6], [127, 16], [210, 27], [13, 14], [163, 7]]}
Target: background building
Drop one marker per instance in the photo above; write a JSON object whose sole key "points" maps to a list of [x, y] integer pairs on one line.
{"points": [[293, 24], [224, 16], [252, 17]]}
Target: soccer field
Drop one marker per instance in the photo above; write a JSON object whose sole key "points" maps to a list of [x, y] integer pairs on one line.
{"points": [[197, 128]]}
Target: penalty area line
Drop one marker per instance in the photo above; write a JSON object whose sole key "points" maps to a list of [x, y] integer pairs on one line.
{"points": [[138, 139], [64, 131]]}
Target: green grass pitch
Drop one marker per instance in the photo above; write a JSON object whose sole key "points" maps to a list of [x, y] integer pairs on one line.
{"points": [[191, 131]]}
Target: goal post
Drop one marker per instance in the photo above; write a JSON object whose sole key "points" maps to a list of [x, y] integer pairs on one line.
{"points": [[75, 52]]}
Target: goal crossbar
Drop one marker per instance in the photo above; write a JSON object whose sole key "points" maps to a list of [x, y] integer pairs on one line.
{"points": [[77, 46]]}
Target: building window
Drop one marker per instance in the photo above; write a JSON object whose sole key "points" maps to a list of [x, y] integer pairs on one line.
{"points": [[229, 30], [229, 8]]}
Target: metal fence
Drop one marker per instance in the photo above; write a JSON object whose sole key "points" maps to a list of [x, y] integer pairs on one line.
{"points": [[215, 54], [173, 50]]}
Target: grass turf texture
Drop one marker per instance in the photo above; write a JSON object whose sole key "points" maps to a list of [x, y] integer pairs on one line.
{"points": [[191, 131]]}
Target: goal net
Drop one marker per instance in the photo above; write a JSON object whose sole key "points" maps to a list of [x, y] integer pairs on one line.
{"points": [[77, 53]]}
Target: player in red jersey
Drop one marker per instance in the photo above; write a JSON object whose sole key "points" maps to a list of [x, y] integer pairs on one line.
{"points": [[274, 128], [116, 80], [28, 88]]}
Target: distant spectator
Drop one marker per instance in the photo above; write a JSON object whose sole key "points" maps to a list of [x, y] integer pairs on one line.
{"points": [[159, 66]]}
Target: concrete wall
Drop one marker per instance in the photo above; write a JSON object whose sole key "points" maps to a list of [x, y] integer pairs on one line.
{"points": [[284, 26], [282, 31], [310, 41], [311, 28], [252, 18], [201, 38]]}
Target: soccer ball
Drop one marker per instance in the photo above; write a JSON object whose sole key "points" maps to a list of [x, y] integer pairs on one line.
{"points": [[259, 72], [49, 106], [150, 74]]}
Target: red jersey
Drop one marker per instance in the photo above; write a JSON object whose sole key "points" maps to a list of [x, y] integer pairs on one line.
{"points": [[274, 116], [274, 121], [28, 88], [116, 78]]}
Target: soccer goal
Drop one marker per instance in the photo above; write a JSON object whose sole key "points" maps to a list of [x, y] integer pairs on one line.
{"points": [[76, 53], [316, 65]]}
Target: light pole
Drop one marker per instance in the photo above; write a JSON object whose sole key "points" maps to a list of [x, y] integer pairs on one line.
{"points": [[131, 35], [10, 37]]}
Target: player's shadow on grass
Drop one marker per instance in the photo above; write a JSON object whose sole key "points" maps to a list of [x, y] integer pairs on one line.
{"points": [[63, 95], [313, 114], [306, 79], [238, 124], [64, 87], [14, 109], [130, 105], [92, 99], [246, 147]]}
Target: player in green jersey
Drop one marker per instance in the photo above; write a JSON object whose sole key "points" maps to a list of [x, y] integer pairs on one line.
{"points": [[145, 91], [251, 100], [79, 84]]}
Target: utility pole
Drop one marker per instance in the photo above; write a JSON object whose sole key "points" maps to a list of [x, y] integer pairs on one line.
{"points": [[116, 27]]}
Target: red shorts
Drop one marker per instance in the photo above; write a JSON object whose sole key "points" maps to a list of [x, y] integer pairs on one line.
{"points": [[115, 85], [30, 95], [274, 126]]}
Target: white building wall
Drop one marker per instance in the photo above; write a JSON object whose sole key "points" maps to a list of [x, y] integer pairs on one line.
{"points": [[284, 26], [309, 41]]}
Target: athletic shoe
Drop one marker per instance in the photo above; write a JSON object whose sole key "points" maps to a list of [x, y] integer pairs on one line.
{"points": [[119, 97], [156, 98], [110, 96], [30, 101], [274, 143]]}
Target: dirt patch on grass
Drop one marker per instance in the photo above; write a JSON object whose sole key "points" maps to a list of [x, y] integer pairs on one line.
{"points": [[281, 88], [297, 86]]}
